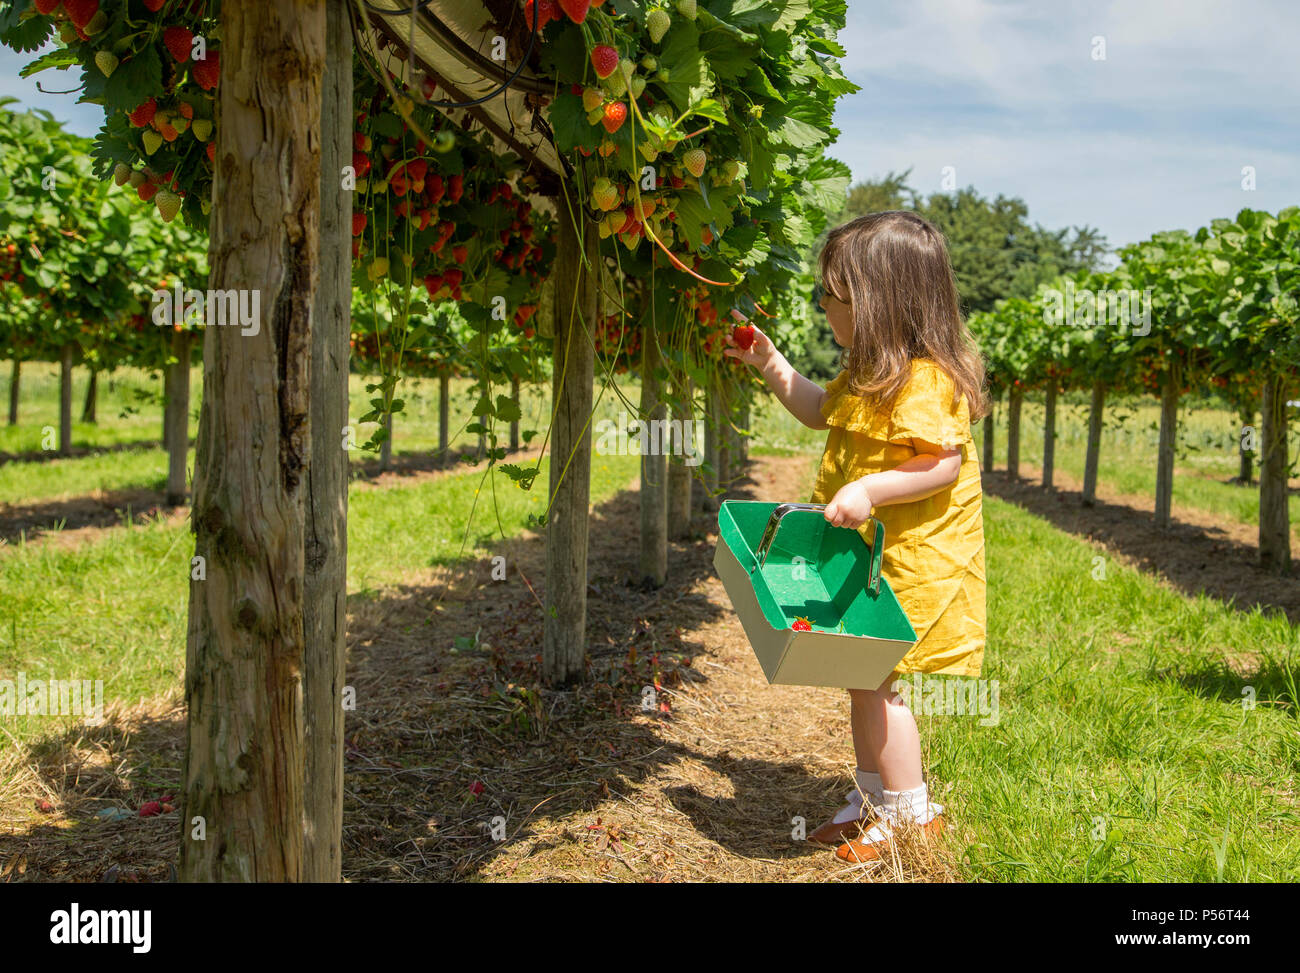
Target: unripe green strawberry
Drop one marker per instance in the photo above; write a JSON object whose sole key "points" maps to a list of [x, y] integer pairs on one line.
{"points": [[731, 169], [604, 194], [658, 21], [68, 32], [121, 173], [152, 140], [650, 62], [137, 179], [96, 23], [687, 8], [106, 61], [638, 86], [595, 115], [168, 204], [592, 98], [202, 128], [695, 160]]}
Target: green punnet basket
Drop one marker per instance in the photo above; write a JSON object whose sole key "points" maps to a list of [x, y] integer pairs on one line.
{"points": [[782, 561]]}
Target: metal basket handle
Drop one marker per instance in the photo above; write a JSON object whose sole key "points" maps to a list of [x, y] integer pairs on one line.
{"points": [[769, 535]]}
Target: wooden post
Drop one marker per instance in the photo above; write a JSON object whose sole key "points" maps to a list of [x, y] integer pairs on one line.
{"points": [[444, 414], [654, 466], [577, 306], [1014, 400], [1245, 460], [680, 475], [176, 417], [1169, 391], [14, 376], [326, 534], [1093, 457], [66, 358], [244, 764], [713, 448], [89, 407], [1049, 435], [1274, 518], [988, 436]]}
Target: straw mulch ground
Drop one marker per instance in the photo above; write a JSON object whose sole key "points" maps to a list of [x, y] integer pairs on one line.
{"points": [[460, 767]]}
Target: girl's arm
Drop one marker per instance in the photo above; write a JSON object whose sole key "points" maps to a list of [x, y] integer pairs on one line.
{"points": [[802, 396], [920, 477]]}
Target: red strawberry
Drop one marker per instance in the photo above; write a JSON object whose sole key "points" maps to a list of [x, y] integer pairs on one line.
{"points": [[47, 7], [615, 116], [146, 191], [154, 5], [455, 187], [604, 59], [743, 336], [178, 40], [212, 151], [207, 71], [801, 624], [80, 11], [576, 9], [476, 788], [358, 223], [143, 113], [150, 809], [360, 164], [460, 253]]}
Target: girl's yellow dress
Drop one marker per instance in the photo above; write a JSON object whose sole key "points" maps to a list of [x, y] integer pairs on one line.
{"points": [[934, 548]]}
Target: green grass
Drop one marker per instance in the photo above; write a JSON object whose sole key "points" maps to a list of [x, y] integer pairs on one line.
{"points": [[115, 609], [130, 417], [1116, 707]]}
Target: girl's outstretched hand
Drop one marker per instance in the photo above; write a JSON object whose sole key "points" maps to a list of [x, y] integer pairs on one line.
{"points": [[760, 347]]}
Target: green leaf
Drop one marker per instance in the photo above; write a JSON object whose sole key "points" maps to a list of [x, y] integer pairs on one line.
{"points": [[570, 126], [134, 81]]}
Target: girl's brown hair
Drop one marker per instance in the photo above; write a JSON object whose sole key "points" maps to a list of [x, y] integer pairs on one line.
{"points": [[893, 269]]}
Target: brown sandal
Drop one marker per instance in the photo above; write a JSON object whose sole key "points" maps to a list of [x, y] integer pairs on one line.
{"points": [[870, 851], [831, 833]]}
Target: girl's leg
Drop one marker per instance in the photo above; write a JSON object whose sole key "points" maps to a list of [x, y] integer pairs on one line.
{"points": [[885, 737]]}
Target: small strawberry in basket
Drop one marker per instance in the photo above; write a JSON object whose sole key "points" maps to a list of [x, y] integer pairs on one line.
{"points": [[801, 624]]}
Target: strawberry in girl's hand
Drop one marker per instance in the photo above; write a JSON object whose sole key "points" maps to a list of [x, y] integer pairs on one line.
{"points": [[743, 336]]}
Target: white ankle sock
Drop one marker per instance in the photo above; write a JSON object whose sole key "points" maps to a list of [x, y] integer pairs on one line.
{"points": [[912, 804], [869, 790]]}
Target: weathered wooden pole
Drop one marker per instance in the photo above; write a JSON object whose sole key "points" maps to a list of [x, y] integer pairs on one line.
{"points": [[244, 808], [325, 554], [577, 306]]}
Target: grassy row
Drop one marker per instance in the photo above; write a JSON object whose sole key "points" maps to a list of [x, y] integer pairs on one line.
{"points": [[115, 608]]}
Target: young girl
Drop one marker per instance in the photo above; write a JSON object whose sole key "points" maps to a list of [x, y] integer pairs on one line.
{"points": [[899, 450]]}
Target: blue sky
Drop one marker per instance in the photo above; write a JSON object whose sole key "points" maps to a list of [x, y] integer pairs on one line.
{"points": [[1008, 93]]}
